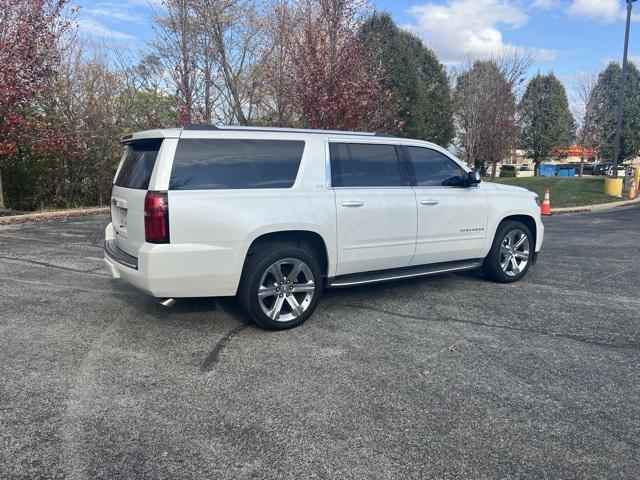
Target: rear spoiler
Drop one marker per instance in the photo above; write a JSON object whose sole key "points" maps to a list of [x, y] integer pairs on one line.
{"points": [[152, 133]]}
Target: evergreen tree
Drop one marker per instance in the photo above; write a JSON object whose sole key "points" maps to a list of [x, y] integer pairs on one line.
{"points": [[604, 102], [545, 117], [420, 91]]}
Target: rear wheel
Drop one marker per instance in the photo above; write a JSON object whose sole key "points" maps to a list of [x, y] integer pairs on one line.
{"points": [[281, 286], [510, 255]]}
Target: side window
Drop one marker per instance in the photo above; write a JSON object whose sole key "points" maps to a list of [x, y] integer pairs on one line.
{"points": [[368, 165], [210, 164], [433, 168], [341, 174], [375, 165]]}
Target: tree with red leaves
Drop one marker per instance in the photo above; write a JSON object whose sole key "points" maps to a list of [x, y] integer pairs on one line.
{"points": [[29, 33], [335, 83]]}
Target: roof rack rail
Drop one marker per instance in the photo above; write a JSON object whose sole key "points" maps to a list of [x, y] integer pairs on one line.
{"points": [[193, 126], [243, 128], [384, 134]]}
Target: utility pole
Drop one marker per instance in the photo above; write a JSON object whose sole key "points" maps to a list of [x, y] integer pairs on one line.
{"points": [[623, 81]]}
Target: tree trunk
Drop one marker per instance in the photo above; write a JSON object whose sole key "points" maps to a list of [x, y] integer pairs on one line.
{"points": [[1, 193], [494, 166], [536, 167]]}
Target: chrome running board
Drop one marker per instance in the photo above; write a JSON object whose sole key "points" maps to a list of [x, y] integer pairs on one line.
{"points": [[402, 273]]}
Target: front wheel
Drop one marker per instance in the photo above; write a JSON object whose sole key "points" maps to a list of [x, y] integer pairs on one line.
{"points": [[510, 255], [281, 286]]}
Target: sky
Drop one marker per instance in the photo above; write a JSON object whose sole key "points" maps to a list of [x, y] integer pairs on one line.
{"points": [[566, 36]]}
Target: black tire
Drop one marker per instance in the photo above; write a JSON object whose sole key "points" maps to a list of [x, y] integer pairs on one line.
{"points": [[256, 266], [492, 266]]}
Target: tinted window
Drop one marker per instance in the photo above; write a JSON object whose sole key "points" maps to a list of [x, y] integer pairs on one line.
{"points": [[370, 165], [434, 168], [221, 164], [375, 165], [341, 174], [139, 161]]}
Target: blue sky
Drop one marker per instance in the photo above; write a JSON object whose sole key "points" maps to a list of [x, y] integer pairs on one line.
{"points": [[568, 36]]}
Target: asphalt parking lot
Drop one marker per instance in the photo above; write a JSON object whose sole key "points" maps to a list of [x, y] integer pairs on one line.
{"points": [[444, 377]]}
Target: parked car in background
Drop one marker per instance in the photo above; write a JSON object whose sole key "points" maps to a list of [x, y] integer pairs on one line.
{"points": [[600, 169], [587, 168], [274, 216], [622, 170], [508, 171]]}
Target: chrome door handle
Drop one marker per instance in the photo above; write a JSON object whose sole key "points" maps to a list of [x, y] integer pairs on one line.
{"points": [[429, 202], [352, 203]]}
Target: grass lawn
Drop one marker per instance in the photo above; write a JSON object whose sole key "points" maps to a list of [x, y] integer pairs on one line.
{"points": [[565, 191]]}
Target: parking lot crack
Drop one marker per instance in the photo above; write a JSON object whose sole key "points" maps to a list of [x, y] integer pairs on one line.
{"points": [[633, 345], [91, 271], [214, 357]]}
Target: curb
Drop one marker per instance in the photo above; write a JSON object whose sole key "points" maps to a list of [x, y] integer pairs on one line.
{"points": [[597, 207], [38, 216]]}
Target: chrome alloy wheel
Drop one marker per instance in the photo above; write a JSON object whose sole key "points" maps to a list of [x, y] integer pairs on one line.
{"points": [[514, 252], [286, 289]]}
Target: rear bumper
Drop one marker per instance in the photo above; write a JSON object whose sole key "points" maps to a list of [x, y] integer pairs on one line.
{"points": [[178, 270], [112, 251]]}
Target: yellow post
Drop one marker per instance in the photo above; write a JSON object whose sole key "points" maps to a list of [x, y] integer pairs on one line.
{"points": [[613, 186], [636, 176]]}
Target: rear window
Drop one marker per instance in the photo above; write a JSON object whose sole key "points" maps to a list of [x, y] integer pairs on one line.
{"points": [[210, 164], [139, 161]]}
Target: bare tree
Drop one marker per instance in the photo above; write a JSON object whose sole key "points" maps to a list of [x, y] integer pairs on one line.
{"points": [[584, 89], [469, 106], [280, 28], [513, 63], [485, 96], [234, 29], [176, 45]]}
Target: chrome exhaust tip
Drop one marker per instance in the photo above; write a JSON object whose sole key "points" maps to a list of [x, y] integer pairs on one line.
{"points": [[168, 302]]}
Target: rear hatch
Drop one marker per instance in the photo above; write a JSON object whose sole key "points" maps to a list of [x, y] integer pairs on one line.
{"points": [[129, 190]]}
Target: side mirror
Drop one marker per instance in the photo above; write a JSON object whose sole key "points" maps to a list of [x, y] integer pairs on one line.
{"points": [[473, 178]]}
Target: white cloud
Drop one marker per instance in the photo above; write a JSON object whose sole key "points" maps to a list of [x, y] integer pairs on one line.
{"points": [[149, 3], [543, 54], [545, 4], [115, 14], [606, 11], [93, 27], [469, 28]]}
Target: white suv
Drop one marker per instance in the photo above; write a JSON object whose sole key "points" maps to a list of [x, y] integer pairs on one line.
{"points": [[276, 215]]}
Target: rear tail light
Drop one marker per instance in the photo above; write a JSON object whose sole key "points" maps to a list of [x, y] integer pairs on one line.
{"points": [[156, 217]]}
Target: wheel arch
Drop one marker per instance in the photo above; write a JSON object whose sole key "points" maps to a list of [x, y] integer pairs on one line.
{"points": [[295, 237], [527, 220]]}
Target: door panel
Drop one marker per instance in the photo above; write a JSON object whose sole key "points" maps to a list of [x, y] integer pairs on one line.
{"points": [[376, 228], [452, 223]]}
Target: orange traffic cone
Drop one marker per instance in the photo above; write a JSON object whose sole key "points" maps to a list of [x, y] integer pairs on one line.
{"points": [[545, 208], [633, 191]]}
